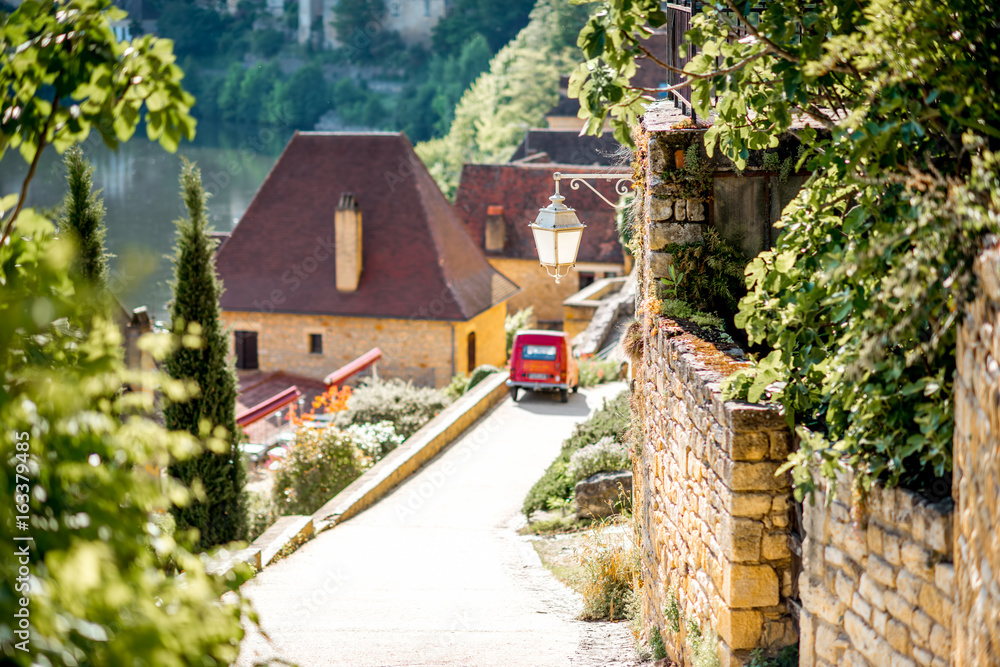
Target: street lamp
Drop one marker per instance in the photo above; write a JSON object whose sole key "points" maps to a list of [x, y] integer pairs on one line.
{"points": [[557, 230]]}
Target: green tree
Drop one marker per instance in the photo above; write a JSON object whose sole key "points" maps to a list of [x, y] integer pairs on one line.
{"points": [[63, 74], [229, 93], [362, 28], [256, 89], [83, 218], [195, 29], [497, 22], [219, 515], [303, 98]]}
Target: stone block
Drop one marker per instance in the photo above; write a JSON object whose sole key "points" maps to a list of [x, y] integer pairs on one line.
{"points": [[901, 661], [861, 608], [604, 494], [774, 546], [898, 607], [874, 538], [659, 208], [923, 657], [835, 557], [830, 643], [898, 636], [908, 586], [879, 621], [746, 586], [663, 234], [918, 560], [753, 505], [844, 586], [941, 641], [807, 639], [922, 624], [944, 576], [872, 591], [659, 264], [936, 605], [890, 546], [740, 628], [741, 539], [744, 476], [865, 640], [881, 571], [781, 444], [749, 446], [680, 210], [695, 210], [854, 659]]}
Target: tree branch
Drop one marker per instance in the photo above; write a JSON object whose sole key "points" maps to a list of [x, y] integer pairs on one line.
{"points": [[31, 173]]}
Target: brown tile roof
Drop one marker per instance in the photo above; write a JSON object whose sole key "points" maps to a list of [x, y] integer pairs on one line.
{"points": [[255, 387], [568, 147], [522, 190], [418, 262]]}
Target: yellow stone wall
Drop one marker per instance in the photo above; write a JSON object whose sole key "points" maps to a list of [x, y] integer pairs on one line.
{"points": [[420, 350], [541, 291], [491, 341]]}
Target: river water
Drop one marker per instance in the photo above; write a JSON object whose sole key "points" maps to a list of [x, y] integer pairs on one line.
{"points": [[141, 192]]}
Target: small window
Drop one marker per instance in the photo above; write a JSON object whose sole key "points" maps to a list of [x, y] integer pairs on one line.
{"points": [[544, 352], [586, 279], [315, 343], [245, 344]]}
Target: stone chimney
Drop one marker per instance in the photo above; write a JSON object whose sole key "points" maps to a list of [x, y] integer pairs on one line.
{"points": [[347, 221]]}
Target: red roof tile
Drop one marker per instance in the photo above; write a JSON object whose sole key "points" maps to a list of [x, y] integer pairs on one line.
{"points": [[417, 260], [523, 189]]}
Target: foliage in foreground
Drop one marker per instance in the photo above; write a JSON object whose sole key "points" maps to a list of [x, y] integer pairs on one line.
{"points": [[612, 578], [859, 299], [605, 455], [555, 487], [220, 515], [399, 402], [105, 584]]}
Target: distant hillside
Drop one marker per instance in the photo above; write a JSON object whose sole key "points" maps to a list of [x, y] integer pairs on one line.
{"points": [[522, 84]]}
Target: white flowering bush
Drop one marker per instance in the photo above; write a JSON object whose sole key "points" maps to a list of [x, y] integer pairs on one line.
{"points": [[605, 455], [376, 440]]}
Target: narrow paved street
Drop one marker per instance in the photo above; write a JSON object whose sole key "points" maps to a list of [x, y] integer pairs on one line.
{"points": [[435, 574]]}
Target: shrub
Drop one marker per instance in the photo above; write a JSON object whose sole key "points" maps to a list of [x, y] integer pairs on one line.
{"points": [[397, 401], [513, 323], [375, 440], [479, 374], [605, 455], [556, 486], [596, 371], [320, 464], [611, 565], [457, 386]]}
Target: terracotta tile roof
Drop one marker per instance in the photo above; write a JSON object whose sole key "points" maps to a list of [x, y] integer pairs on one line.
{"points": [[418, 262], [255, 387], [521, 190], [568, 147]]}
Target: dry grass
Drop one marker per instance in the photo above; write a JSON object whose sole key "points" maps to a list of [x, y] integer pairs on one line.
{"points": [[610, 561]]}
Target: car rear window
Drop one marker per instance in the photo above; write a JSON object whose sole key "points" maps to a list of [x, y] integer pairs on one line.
{"points": [[547, 352]]}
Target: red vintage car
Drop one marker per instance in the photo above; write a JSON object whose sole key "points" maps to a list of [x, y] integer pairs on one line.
{"points": [[543, 361]]}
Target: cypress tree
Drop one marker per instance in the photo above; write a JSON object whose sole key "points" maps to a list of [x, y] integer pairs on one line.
{"points": [[221, 516], [82, 217]]}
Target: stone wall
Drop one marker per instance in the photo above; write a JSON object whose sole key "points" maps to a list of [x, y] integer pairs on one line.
{"points": [[879, 590], [715, 518], [976, 477]]}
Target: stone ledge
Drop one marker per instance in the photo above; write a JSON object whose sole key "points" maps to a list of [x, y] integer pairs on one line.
{"points": [[282, 533]]}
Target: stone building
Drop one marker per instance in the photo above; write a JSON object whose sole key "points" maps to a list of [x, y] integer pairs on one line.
{"points": [[349, 245], [498, 201], [412, 19]]}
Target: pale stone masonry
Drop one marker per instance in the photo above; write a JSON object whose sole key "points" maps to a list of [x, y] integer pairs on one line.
{"points": [[976, 477], [715, 517], [879, 590]]}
